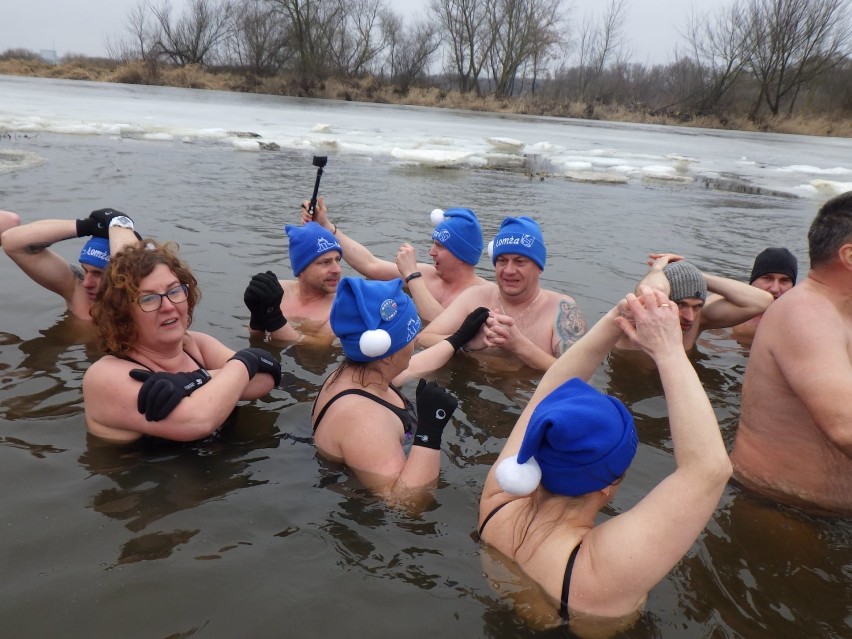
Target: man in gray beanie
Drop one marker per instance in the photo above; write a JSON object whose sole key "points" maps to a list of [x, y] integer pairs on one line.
{"points": [[704, 301], [775, 270]]}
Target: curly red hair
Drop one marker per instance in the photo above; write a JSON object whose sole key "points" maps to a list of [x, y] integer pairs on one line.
{"points": [[119, 291]]}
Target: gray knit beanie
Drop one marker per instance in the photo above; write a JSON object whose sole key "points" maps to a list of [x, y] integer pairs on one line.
{"points": [[686, 281]]}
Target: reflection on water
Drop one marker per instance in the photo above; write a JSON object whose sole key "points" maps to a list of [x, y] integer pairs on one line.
{"points": [[97, 534]]}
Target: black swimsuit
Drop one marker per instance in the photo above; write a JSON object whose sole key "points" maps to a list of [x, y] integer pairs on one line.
{"points": [[569, 568], [137, 362], [406, 415]]}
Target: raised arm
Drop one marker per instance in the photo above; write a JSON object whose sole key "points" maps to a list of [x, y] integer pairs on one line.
{"points": [[7, 221], [581, 360], [417, 278], [27, 246], [355, 254], [670, 518], [732, 302]]}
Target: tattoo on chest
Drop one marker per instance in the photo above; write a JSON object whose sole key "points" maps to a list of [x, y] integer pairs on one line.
{"points": [[570, 326]]}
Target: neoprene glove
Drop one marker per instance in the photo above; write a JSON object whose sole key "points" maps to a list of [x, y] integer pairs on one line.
{"points": [[162, 392], [257, 360], [97, 223], [469, 327], [434, 408], [263, 299]]}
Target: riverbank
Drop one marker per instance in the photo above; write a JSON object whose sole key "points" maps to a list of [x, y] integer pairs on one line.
{"points": [[371, 89]]}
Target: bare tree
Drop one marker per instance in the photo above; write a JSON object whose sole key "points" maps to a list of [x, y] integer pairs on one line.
{"points": [[719, 48], [409, 51], [310, 25], [358, 38], [196, 34], [523, 30], [791, 43], [468, 36], [601, 43], [258, 41]]}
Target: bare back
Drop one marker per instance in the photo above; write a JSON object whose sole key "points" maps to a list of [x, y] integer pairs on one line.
{"points": [[793, 441]]}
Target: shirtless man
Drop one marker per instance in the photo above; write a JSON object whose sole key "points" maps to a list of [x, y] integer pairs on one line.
{"points": [[794, 441], [774, 271], [306, 301], [528, 324], [27, 245], [704, 301], [456, 249]]}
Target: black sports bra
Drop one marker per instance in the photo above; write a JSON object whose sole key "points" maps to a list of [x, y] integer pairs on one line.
{"points": [[407, 415]]}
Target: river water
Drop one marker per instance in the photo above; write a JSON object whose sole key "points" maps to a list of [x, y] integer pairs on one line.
{"points": [[254, 535]]}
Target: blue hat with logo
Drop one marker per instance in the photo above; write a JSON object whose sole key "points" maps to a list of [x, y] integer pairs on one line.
{"points": [[96, 253], [373, 318], [459, 232], [522, 236], [307, 243], [578, 440]]}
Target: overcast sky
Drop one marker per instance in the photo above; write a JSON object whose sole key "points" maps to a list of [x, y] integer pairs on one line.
{"points": [[83, 26]]}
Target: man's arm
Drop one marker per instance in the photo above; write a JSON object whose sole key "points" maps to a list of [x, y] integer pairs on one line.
{"points": [[733, 303], [27, 246], [428, 307], [451, 318], [355, 254]]}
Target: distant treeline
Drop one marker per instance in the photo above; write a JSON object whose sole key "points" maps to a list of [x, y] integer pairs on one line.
{"points": [[755, 59]]}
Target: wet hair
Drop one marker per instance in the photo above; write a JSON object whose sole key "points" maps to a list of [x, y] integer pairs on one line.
{"points": [[831, 229], [119, 291]]}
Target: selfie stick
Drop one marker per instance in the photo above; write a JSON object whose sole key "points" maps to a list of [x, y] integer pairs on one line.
{"points": [[319, 162]]}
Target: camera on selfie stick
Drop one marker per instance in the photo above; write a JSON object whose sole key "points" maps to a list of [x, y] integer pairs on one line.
{"points": [[319, 161]]}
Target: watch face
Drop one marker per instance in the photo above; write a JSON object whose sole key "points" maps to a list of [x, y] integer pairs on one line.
{"points": [[123, 221]]}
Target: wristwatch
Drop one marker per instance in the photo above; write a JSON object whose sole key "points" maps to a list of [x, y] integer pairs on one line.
{"points": [[121, 221], [414, 275]]}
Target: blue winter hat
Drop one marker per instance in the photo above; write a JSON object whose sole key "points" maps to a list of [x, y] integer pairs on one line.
{"points": [[373, 318], [307, 243], [459, 232], [522, 236], [95, 253], [579, 438]]}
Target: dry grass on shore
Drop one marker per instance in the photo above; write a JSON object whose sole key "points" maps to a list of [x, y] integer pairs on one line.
{"points": [[373, 90]]}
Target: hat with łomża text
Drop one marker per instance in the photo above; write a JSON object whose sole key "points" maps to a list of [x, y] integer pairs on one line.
{"points": [[521, 236]]}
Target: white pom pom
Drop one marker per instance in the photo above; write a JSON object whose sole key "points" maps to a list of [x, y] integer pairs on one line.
{"points": [[518, 479], [437, 216], [491, 249], [375, 343]]}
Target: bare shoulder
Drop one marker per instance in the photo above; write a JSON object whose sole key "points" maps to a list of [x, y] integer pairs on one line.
{"points": [[208, 350], [107, 370]]}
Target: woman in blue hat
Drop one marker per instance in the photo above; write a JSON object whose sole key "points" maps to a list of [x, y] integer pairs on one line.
{"points": [[569, 452], [360, 418]]}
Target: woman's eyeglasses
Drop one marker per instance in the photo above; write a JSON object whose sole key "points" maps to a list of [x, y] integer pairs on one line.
{"points": [[151, 302]]}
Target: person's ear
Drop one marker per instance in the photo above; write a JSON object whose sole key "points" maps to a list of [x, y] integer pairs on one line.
{"points": [[845, 255]]}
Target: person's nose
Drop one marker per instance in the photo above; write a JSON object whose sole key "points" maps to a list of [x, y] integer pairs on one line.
{"points": [[688, 314]]}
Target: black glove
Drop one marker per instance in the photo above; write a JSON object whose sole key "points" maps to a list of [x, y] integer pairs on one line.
{"points": [[97, 223], [257, 360], [162, 392], [434, 408], [469, 327], [263, 298]]}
